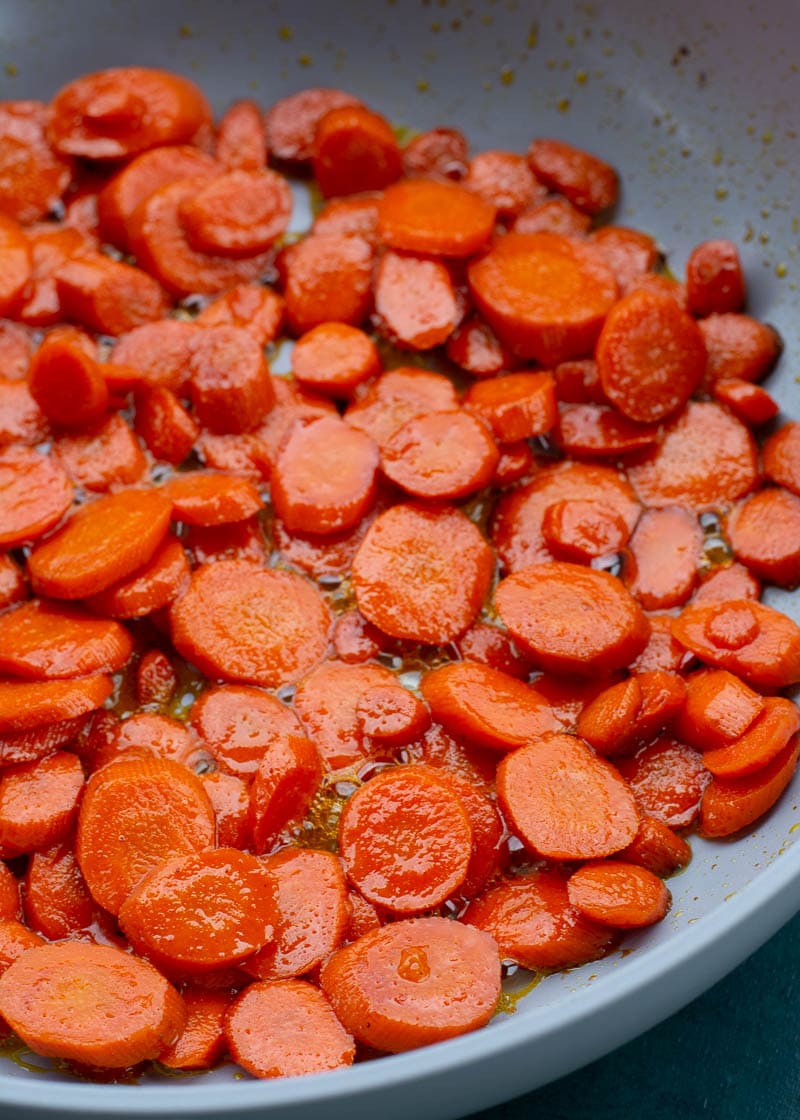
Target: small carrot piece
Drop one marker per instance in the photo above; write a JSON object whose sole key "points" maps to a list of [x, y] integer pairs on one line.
{"points": [[10, 906], [56, 900], [492, 646], [328, 278], [230, 385], [586, 181], [34, 704], [581, 530], [476, 349], [152, 733], [104, 455], [439, 153], [657, 848], [35, 493], [765, 738], [167, 429], [354, 150], [733, 804], [230, 800], [241, 137], [12, 582], [416, 305], [667, 780], [208, 498], [237, 214], [156, 679], [202, 1041], [327, 703], [15, 939], [67, 384], [252, 307], [553, 215], [618, 894], [780, 456], [444, 455], [515, 405], [38, 802], [151, 587], [665, 549], [429, 216], [243, 540], [16, 348], [596, 431], [578, 382], [15, 265], [630, 253], [504, 181], [733, 582], [739, 346], [663, 698], [398, 396], [108, 296], [334, 358], [41, 640], [714, 278], [160, 353], [749, 403], [390, 716], [354, 639], [606, 723], [21, 419], [239, 724], [291, 122], [357, 214], [764, 532], [288, 776]]}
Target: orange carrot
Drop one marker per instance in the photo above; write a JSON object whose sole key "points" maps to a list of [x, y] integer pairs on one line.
{"points": [[67, 384], [15, 939], [475, 347], [733, 582], [151, 587], [665, 550], [439, 153], [15, 265], [334, 359], [16, 347], [657, 848], [283, 787], [327, 703], [554, 215], [354, 150], [239, 724], [21, 419], [714, 278], [241, 137], [733, 804], [443, 455], [202, 1040], [108, 296], [355, 639], [230, 800], [41, 640], [630, 253], [25, 705], [32, 176], [515, 405], [156, 679], [252, 307], [596, 431], [56, 900], [151, 733], [398, 396], [586, 181], [12, 582], [667, 780], [9, 893], [167, 429], [35, 493], [780, 456], [429, 216], [765, 738], [505, 181], [105, 455], [390, 716], [292, 121], [230, 386], [357, 214], [416, 305], [607, 722], [38, 802], [749, 403], [492, 646], [243, 540], [764, 531], [160, 353], [739, 346], [328, 278], [618, 894], [237, 214], [208, 498], [581, 530]]}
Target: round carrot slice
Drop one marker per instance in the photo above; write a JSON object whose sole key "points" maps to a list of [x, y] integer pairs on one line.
{"points": [[390, 716], [749, 403], [657, 848], [13, 588], [441, 455], [354, 150], [732, 804], [357, 214], [764, 532], [32, 176], [230, 800], [739, 346], [334, 358], [284, 785], [505, 181], [156, 679], [292, 121], [151, 587], [40, 640], [718, 709], [38, 802], [238, 214], [515, 405], [475, 347], [780, 456], [15, 265], [406, 840], [67, 384], [230, 385], [545, 295], [416, 305], [492, 646], [57, 903], [328, 278], [35, 493], [758, 746], [327, 702], [733, 582], [209, 498], [666, 547], [160, 353], [607, 722], [104, 455], [667, 780], [240, 622], [253, 307], [108, 296], [102, 543], [90, 1004], [422, 573], [202, 1041], [414, 982], [398, 396], [564, 802], [21, 419], [631, 253], [439, 153], [286, 1029], [34, 704], [134, 815], [554, 215], [584, 179], [607, 627], [714, 278], [581, 530], [435, 217], [238, 724], [618, 894]]}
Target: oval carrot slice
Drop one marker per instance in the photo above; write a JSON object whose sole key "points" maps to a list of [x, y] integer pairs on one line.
{"points": [[618, 894], [764, 531], [475, 347], [441, 455], [327, 702], [57, 903], [209, 498], [15, 939], [328, 278], [354, 150], [780, 456], [102, 543], [230, 800], [241, 137], [292, 121], [714, 278], [334, 359], [32, 704], [169, 432], [202, 1040], [356, 214], [156, 679], [38, 742], [104, 455], [243, 623], [21, 419], [90, 1004], [718, 709], [554, 215], [32, 176], [41, 640], [67, 384], [739, 346], [564, 802], [390, 716], [595, 431], [159, 352], [398, 396], [237, 214], [153, 586], [749, 403], [657, 848], [108, 296], [504, 180], [429, 216], [238, 724], [38, 802], [151, 733], [439, 153], [666, 547], [414, 982], [416, 305], [35, 493], [630, 253], [283, 787], [422, 573], [733, 582], [230, 384], [667, 780], [607, 722], [766, 737], [733, 804], [16, 348], [354, 639], [515, 405], [585, 180], [581, 530]]}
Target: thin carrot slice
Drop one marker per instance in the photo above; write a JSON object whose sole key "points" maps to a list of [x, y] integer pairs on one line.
{"points": [[153, 586], [390, 716], [354, 150], [327, 703], [505, 181], [665, 547], [35, 493], [292, 121], [21, 419], [422, 573], [41, 640], [104, 455], [167, 429], [554, 215], [581, 530], [663, 698], [630, 253], [67, 384], [159, 352], [429, 216], [57, 902], [515, 405], [134, 815], [657, 848], [586, 181], [564, 802], [237, 214], [242, 623], [442, 455], [13, 588], [252, 307], [732, 582], [739, 346], [312, 910], [398, 396], [749, 403], [364, 918], [414, 982], [328, 278], [288, 776], [406, 840], [33, 704], [241, 137], [596, 431], [618, 894], [230, 800], [606, 723], [357, 214], [32, 176], [108, 296], [15, 265], [764, 531], [667, 780], [209, 498], [718, 709], [475, 347], [102, 543], [416, 305], [334, 359], [202, 1041], [714, 278], [733, 804], [291, 404], [608, 629], [761, 742], [492, 646], [239, 724], [156, 679], [38, 802], [439, 153], [286, 1028]]}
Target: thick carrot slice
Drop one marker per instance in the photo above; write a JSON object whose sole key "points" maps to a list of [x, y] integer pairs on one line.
{"points": [[354, 639], [288, 776], [416, 305], [104, 455], [286, 1028], [554, 215], [153, 586], [334, 359], [51, 248], [429, 216], [328, 278], [209, 498], [739, 346], [607, 627], [414, 982], [718, 709], [766, 737], [230, 800], [581, 530], [780, 456], [534, 924], [354, 150], [442, 455], [312, 910], [327, 703], [439, 153], [422, 573], [239, 724], [291, 404], [475, 347], [486, 707], [706, 460], [41, 640], [160, 353], [714, 278], [357, 214], [665, 548], [156, 679], [134, 815], [650, 356], [167, 429], [618, 894], [515, 405], [390, 716], [239, 622], [241, 137], [586, 181], [21, 419], [15, 265], [657, 848], [504, 181], [25, 705], [759, 644], [733, 804], [595, 431], [564, 802], [398, 396], [38, 803], [492, 646], [35, 493], [90, 1004], [545, 295], [667, 780], [108, 296], [57, 902], [764, 532], [749, 403], [238, 214], [230, 385], [733, 582], [32, 176], [13, 588], [67, 384], [252, 307], [406, 840], [607, 722], [292, 122], [630, 253], [202, 1041], [102, 543]]}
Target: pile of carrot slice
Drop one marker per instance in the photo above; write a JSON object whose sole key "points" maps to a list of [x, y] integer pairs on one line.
{"points": [[325, 697]]}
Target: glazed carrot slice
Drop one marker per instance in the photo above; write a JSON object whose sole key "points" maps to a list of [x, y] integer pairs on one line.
{"points": [[160, 353], [390, 716], [414, 982], [706, 460], [104, 455], [230, 385], [657, 848], [90, 1004], [291, 404], [108, 296], [33, 704], [15, 939], [364, 918], [630, 253], [327, 702], [534, 924], [67, 384], [238, 214], [516, 464], [595, 431], [749, 403], [38, 802], [286, 1028], [239, 724], [429, 216], [505, 181], [780, 456], [732, 582], [202, 1041], [485, 706], [102, 543], [239, 622], [21, 419], [292, 121], [13, 588], [354, 150], [578, 382], [650, 356], [35, 493], [442, 455], [152, 733], [324, 478], [545, 295], [354, 639], [607, 722], [134, 815], [665, 547], [475, 347], [335, 359], [765, 738], [156, 680], [667, 779], [15, 265], [328, 278], [714, 278], [439, 153], [288, 776], [169, 432], [739, 346], [416, 305], [311, 903], [554, 215], [755, 642], [41, 640], [764, 531], [733, 804], [406, 840], [57, 902], [242, 540], [357, 214], [10, 906], [38, 742], [607, 627], [230, 800], [492, 646], [153, 586], [398, 396], [618, 894], [586, 181], [438, 748], [209, 498], [663, 699], [581, 530], [51, 247], [241, 137], [252, 307], [32, 176], [515, 405], [422, 573]]}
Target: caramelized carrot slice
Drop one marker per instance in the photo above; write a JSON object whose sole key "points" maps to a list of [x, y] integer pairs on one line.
{"points": [[718, 709], [578, 382], [733, 804], [749, 403], [398, 396], [21, 419], [492, 646], [202, 1040], [239, 725], [667, 779], [160, 353], [595, 431], [32, 176], [238, 214], [618, 894], [167, 429], [657, 848], [739, 346], [57, 902], [607, 722], [15, 939], [714, 278], [105, 455], [242, 540], [230, 384], [765, 738], [416, 305], [764, 531], [357, 214], [429, 216], [108, 296], [354, 639], [38, 802], [584, 179], [554, 215], [515, 405], [156, 679], [241, 137], [67, 384], [327, 702], [732, 582], [16, 265], [390, 716], [151, 587], [291, 122], [334, 359], [505, 181], [439, 153], [16, 347], [230, 800], [581, 530], [442, 455], [209, 498], [41, 640], [780, 456], [665, 547], [328, 278], [288, 776], [475, 347], [35, 704], [13, 588], [35, 493], [630, 253], [354, 150], [252, 307]]}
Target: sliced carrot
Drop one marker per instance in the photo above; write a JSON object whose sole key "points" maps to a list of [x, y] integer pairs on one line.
{"points": [[657, 848], [15, 939], [714, 278], [237, 214], [21, 419], [32, 176], [764, 531], [439, 153], [618, 894], [749, 403], [398, 396], [41, 640], [51, 247], [476, 349], [650, 356], [56, 900], [311, 913], [134, 815], [492, 646], [607, 722], [390, 716], [167, 429], [515, 405], [443, 455], [665, 548], [319, 555], [104, 455], [153, 586], [243, 540], [230, 800], [13, 588], [242, 623], [630, 253], [230, 385], [155, 734], [667, 780], [596, 431], [578, 382], [67, 384], [663, 699], [422, 573], [34, 704], [357, 214], [156, 679], [608, 629], [581, 530], [554, 215], [286, 1028], [354, 150], [241, 137], [108, 296], [780, 456], [416, 305], [39, 802], [15, 265], [545, 295], [252, 307], [159, 352], [246, 455], [586, 181], [568, 696], [765, 738], [291, 404], [288, 776], [430, 216], [732, 582], [292, 121], [504, 181], [10, 906], [327, 703], [328, 278], [414, 982], [733, 804], [209, 498], [739, 346], [334, 359], [16, 348], [202, 1041], [354, 639], [535, 925], [364, 918], [662, 285], [35, 493]]}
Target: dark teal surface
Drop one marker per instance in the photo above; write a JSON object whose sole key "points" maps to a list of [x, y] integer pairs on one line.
{"points": [[733, 1054]]}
